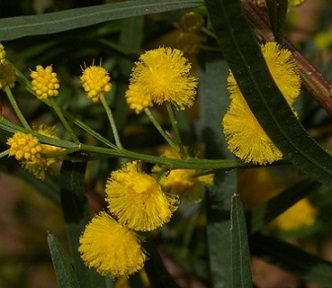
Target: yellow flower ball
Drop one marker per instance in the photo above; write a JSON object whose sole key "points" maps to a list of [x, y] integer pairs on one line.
{"points": [[110, 248], [2, 54], [244, 135], [161, 75], [45, 83], [31, 153], [7, 75], [301, 215], [283, 71], [95, 81], [24, 147], [136, 199]]}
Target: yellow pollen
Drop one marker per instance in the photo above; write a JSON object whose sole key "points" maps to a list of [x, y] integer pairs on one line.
{"points": [[96, 81], [45, 83]]}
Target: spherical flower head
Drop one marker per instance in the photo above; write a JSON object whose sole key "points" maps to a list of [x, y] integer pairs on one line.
{"points": [[110, 248], [136, 199], [301, 215], [283, 71], [95, 81], [31, 153], [134, 99], [7, 75], [2, 54], [191, 22], [45, 83], [245, 137], [25, 147], [162, 75]]}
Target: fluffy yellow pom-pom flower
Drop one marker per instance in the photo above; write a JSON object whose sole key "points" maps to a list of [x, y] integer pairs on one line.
{"points": [[161, 75], [137, 200], [95, 81], [7, 75], [45, 83], [2, 54], [283, 71], [110, 248], [301, 215], [245, 137]]}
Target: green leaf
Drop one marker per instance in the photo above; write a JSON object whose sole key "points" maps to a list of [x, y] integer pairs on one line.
{"points": [[63, 270], [16, 27], [264, 213], [244, 57], [290, 258], [218, 197], [76, 216], [241, 273], [277, 14]]}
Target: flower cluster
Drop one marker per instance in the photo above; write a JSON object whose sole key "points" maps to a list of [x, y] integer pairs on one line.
{"points": [[32, 155], [7, 71], [138, 203], [95, 81], [45, 83], [161, 75], [244, 135]]}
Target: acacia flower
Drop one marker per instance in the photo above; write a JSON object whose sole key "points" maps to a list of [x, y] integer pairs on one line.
{"points": [[161, 75], [7, 75], [31, 153], [95, 81], [110, 248], [45, 83], [2, 54], [184, 182], [257, 185], [283, 70], [137, 200], [244, 135], [301, 215]]}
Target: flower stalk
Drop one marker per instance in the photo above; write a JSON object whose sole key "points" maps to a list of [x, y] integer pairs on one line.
{"points": [[16, 108], [111, 121]]}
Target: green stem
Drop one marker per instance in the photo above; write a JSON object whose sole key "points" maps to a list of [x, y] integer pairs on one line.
{"points": [[189, 163], [175, 128], [63, 120], [4, 153], [160, 129], [111, 120], [17, 109], [63, 152]]}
